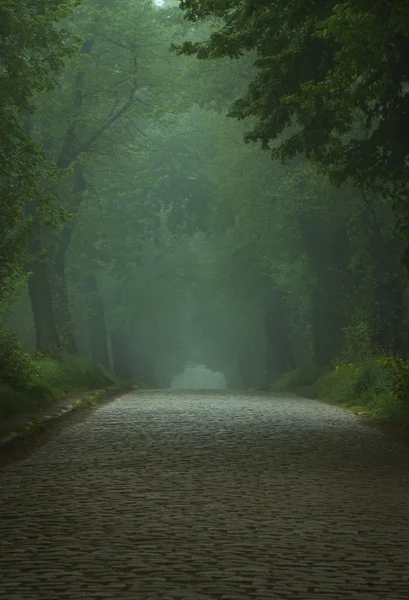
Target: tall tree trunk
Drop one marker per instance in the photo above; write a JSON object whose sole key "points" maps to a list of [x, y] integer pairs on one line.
{"points": [[280, 354], [326, 320], [63, 315], [121, 354], [390, 312], [39, 289], [231, 377], [142, 369], [68, 154], [329, 255], [60, 298], [390, 284], [247, 368], [98, 339]]}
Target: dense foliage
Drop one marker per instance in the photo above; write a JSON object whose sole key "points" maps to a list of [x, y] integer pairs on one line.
{"points": [[32, 49], [182, 244], [332, 83]]}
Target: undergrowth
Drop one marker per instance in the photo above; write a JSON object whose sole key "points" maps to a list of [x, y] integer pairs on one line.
{"points": [[28, 382], [40, 424], [378, 386], [300, 380]]}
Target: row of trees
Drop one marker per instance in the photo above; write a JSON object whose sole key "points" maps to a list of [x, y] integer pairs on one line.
{"points": [[31, 48], [331, 85], [124, 193], [152, 235]]}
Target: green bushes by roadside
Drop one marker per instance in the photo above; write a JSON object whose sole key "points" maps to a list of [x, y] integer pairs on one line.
{"points": [[17, 368], [27, 382], [70, 374], [378, 386], [301, 380]]}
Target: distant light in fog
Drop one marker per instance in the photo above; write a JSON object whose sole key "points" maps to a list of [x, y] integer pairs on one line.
{"points": [[198, 377], [159, 2]]}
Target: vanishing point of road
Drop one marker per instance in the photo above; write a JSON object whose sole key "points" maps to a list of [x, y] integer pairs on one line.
{"points": [[179, 495]]}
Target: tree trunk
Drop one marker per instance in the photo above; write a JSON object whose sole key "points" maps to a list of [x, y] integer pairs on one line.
{"points": [[60, 298], [47, 339], [280, 354], [329, 255], [142, 369], [326, 321], [63, 314], [98, 339], [39, 289], [390, 285], [390, 315], [121, 354], [247, 370], [231, 377]]}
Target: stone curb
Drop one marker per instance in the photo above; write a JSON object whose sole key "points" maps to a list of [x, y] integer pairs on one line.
{"points": [[14, 435], [17, 434]]}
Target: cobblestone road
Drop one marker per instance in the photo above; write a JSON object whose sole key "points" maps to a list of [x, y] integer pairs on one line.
{"points": [[199, 496]]}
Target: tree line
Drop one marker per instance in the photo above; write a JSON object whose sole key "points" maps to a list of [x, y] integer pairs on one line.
{"points": [[213, 181]]}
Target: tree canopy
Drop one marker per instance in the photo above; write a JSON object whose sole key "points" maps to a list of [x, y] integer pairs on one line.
{"points": [[332, 83], [165, 240], [33, 48]]}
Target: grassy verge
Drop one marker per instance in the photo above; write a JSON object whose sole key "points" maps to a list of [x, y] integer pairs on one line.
{"points": [[34, 432], [300, 381], [54, 379], [40, 424], [377, 387]]}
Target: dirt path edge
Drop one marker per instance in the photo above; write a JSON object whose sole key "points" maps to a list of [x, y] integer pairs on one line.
{"points": [[35, 432]]}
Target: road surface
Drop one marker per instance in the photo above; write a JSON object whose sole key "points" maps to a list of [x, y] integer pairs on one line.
{"points": [[178, 495]]}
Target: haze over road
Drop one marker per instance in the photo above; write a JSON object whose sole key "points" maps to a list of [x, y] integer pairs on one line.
{"points": [[163, 495]]}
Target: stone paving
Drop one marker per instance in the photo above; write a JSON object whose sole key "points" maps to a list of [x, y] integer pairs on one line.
{"points": [[208, 496]]}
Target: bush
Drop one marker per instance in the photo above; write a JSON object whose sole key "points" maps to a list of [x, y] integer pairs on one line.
{"points": [[17, 368], [300, 379], [32, 382], [12, 400], [377, 384], [399, 370], [70, 374]]}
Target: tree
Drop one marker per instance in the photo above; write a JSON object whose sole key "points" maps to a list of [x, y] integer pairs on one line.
{"points": [[33, 48], [90, 116], [331, 84]]}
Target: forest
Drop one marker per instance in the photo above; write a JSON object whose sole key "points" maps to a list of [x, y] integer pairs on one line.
{"points": [[205, 182]]}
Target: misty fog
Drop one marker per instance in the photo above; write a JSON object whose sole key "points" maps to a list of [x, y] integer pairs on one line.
{"points": [[174, 235], [198, 377], [204, 195]]}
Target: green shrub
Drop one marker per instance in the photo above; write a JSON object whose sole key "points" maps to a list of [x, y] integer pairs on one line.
{"points": [[378, 384], [10, 398], [300, 378], [334, 385], [46, 380], [399, 370], [70, 374], [351, 384], [17, 368], [13, 400]]}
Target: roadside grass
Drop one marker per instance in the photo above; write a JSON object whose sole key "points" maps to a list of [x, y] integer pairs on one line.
{"points": [[56, 379], [20, 441], [39, 424], [301, 380], [377, 387]]}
